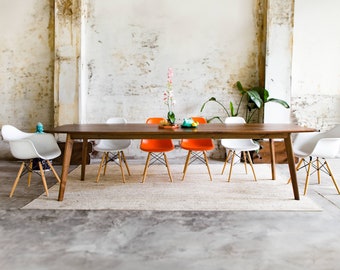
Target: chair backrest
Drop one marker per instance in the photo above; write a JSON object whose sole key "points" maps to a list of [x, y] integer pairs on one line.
{"points": [[334, 133], [199, 119], [247, 144], [23, 149], [327, 148], [20, 146], [234, 120], [25, 145], [107, 145], [116, 120], [328, 144], [45, 145], [158, 145], [155, 120], [203, 143], [305, 144], [10, 133]]}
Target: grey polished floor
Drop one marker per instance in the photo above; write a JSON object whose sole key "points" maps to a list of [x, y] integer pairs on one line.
{"points": [[35, 239]]}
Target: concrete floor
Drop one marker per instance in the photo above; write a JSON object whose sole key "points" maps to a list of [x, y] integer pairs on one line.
{"points": [[49, 239]]}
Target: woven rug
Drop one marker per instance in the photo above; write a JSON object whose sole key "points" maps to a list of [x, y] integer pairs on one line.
{"points": [[195, 193]]}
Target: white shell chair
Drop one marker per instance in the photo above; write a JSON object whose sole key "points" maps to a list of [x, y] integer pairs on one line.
{"points": [[313, 149], [112, 150], [235, 146], [28, 146]]}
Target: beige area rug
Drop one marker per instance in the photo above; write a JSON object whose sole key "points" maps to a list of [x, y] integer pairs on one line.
{"points": [[195, 193]]}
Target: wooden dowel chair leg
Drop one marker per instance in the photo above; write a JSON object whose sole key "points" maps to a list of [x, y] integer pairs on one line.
{"points": [[43, 177], [332, 176], [226, 161], [307, 178], [186, 164], [125, 162], [231, 165], [318, 169], [29, 177], [100, 167], [245, 161], [54, 171], [16, 181], [207, 164], [251, 165], [106, 160], [121, 166], [297, 168], [167, 166], [146, 166]]}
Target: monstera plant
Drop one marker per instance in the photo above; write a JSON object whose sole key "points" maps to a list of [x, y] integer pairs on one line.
{"points": [[254, 99]]}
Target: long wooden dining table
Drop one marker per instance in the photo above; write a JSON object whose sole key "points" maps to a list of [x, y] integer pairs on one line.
{"points": [[87, 132]]}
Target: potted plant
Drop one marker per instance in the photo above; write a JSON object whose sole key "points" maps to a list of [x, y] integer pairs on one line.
{"points": [[257, 97], [254, 99]]}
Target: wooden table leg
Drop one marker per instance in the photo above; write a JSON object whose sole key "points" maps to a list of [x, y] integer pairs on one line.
{"points": [[272, 158], [291, 164], [84, 159], [66, 166]]}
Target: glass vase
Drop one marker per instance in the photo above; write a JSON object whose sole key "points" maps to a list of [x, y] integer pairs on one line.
{"points": [[171, 118]]}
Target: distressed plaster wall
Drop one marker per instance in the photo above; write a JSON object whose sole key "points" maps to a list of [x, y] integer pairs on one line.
{"points": [[129, 46], [26, 63], [315, 87], [280, 22], [65, 61]]}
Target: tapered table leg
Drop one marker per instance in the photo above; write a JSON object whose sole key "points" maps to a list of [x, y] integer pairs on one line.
{"points": [[272, 158], [66, 166], [291, 164], [84, 159]]}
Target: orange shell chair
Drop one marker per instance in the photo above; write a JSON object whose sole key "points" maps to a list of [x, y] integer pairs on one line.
{"points": [[197, 147], [156, 149]]}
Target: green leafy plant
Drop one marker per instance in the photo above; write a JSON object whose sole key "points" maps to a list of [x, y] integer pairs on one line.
{"points": [[256, 98]]}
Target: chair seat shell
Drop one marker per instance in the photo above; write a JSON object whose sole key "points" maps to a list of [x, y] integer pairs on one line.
{"points": [[28, 146]]}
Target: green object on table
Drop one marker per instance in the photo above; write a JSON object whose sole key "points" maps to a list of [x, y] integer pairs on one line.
{"points": [[171, 118]]}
